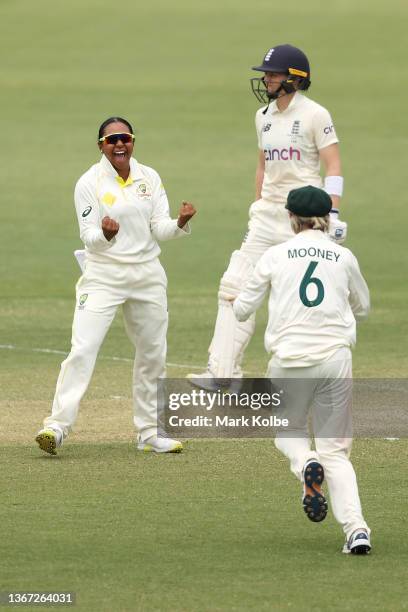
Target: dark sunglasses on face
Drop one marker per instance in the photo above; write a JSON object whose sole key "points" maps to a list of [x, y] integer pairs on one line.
{"points": [[113, 139]]}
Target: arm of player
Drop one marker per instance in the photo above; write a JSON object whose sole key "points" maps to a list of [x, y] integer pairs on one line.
{"points": [[330, 159], [327, 144], [252, 296], [259, 175], [90, 224], [359, 296], [260, 168], [162, 226]]}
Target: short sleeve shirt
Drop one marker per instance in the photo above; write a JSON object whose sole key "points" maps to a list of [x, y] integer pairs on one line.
{"points": [[291, 141]]}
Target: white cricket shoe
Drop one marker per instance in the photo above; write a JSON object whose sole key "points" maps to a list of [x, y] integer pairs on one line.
{"points": [[160, 445], [49, 440], [206, 381], [358, 543]]}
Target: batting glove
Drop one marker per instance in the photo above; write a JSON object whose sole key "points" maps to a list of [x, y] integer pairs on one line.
{"points": [[337, 228]]}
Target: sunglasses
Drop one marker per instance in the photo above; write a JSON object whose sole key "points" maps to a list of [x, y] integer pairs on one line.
{"points": [[113, 139]]}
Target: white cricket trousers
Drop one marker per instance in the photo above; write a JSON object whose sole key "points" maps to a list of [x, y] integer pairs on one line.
{"points": [[268, 225], [141, 290], [324, 390]]}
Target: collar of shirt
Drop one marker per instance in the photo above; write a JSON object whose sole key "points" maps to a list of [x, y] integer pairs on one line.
{"points": [[315, 234], [134, 174], [295, 101]]}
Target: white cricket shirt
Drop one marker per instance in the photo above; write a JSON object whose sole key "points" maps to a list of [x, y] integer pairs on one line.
{"points": [[139, 205], [291, 141], [316, 293]]}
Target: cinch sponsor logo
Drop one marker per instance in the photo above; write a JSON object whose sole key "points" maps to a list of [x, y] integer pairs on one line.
{"points": [[282, 154]]}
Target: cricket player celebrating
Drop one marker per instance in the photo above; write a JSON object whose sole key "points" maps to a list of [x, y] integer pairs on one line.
{"points": [[316, 294], [294, 135], [122, 212]]}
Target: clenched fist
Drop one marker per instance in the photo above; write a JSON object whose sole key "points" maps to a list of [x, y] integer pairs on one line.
{"points": [[186, 211], [109, 227]]}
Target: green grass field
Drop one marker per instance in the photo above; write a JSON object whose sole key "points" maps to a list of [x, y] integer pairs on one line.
{"points": [[220, 527]]}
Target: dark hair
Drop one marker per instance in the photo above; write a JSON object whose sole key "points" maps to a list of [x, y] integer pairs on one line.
{"points": [[113, 120]]}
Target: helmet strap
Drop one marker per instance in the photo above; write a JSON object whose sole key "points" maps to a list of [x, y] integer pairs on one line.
{"points": [[275, 94], [288, 86], [285, 86]]}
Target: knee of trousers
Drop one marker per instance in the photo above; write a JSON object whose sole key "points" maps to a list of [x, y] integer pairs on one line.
{"points": [[153, 360], [291, 440], [151, 352], [83, 353], [335, 455]]}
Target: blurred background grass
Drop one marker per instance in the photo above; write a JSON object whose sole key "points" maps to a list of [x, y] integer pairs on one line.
{"points": [[180, 73]]}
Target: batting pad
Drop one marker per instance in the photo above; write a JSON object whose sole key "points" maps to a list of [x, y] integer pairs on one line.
{"points": [[230, 336]]}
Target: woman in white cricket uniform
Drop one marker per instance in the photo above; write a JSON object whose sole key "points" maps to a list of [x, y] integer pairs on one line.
{"points": [[316, 294], [122, 212], [295, 135]]}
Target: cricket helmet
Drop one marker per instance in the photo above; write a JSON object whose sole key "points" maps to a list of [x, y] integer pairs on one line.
{"points": [[288, 60]]}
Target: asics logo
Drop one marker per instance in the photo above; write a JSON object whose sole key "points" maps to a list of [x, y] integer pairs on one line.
{"points": [[282, 154]]}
